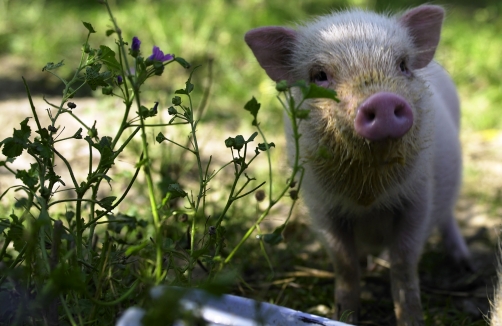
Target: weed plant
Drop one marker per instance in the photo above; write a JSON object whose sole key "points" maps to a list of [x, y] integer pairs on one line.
{"points": [[59, 264]]}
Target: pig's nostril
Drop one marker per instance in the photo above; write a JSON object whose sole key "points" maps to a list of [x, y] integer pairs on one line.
{"points": [[400, 111], [371, 116]]}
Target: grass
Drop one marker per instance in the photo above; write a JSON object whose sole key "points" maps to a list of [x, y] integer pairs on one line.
{"points": [[210, 34]]}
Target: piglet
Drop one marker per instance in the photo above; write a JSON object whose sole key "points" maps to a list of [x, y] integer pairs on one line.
{"points": [[382, 166]]}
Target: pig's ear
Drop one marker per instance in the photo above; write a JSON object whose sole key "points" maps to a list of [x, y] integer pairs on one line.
{"points": [[424, 25], [272, 46]]}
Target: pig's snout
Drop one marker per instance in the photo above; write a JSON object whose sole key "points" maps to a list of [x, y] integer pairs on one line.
{"points": [[383, 115]]}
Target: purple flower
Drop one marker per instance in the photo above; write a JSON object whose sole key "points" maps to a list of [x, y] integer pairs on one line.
{"points": [[134, 50], [135, 44], [158, 55], [119, 79]]}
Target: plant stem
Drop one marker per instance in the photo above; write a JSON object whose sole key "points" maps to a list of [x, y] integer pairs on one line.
{"points": [[291, 110]]}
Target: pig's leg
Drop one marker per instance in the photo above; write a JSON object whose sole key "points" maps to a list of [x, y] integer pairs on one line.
{"points": [[410, 233], [454, 243], [339, 240]]}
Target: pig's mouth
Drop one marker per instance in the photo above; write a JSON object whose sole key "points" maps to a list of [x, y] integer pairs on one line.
{"points": [[384, 153], [365, 170], [394, 160]]}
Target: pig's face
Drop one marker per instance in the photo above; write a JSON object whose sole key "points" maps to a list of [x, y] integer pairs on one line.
{"points": [[366, 143], [359, 56]]}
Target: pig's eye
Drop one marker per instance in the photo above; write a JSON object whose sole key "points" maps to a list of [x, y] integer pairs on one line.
{"points": [[404, 68], [320, 78]]}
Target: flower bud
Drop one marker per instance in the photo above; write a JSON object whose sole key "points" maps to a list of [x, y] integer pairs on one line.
{"points": [[134, 51], [259, 195], [71, 105], [212, 230]]}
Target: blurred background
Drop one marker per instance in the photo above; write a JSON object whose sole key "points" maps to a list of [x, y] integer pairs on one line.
{"points": [[210, 33]]}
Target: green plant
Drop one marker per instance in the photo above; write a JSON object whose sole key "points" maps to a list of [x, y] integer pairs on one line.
{"points": [[57, 260]]}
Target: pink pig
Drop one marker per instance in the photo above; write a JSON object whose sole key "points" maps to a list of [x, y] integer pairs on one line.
{"points": [[382, 166]]}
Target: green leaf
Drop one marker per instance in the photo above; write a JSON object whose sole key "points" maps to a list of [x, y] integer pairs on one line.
{"points": [[189, 87], [229, 142], [20, 203], [314, 91], [275, 237], [236, 143], [69, 215], [78, 134], [282, 86], [108, 58], [302, 113], [53, 177], [41, 148], [176, 191], [107, 202], [263, 147], [93, 78], [89, 27], [25, 131], [253, 136], [105, 149], [109, 32], [44, 133], [143, 112], [239, 142], [30, 177], [51, 65], [13, 146], [253, 107], [160, 138], [15, 233]]}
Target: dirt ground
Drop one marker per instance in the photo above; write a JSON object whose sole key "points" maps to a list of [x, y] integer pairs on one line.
{"points": [[446, 290]]}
